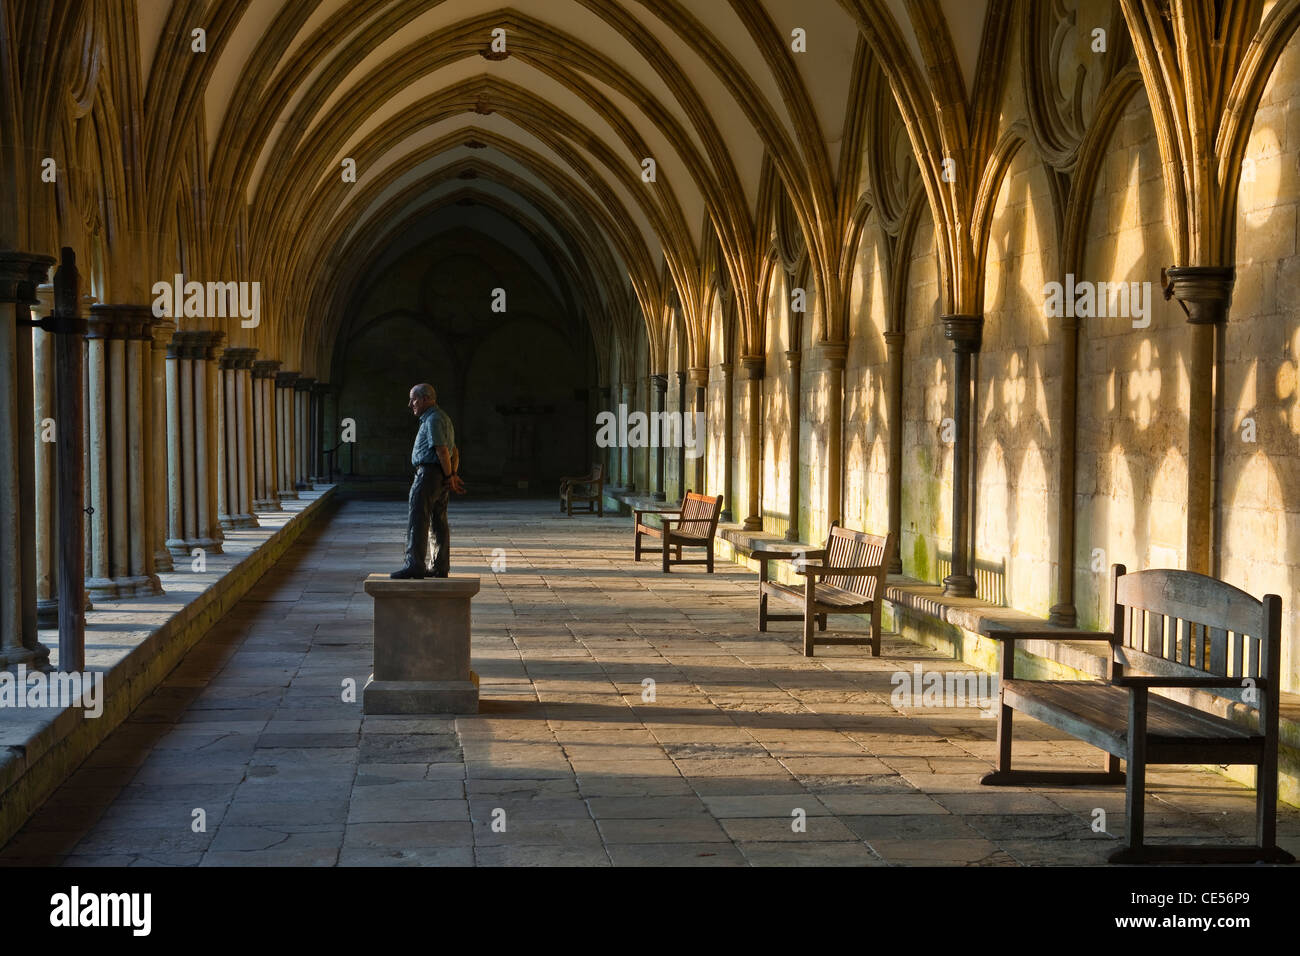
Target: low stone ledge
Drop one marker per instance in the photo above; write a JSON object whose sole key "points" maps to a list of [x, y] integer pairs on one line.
{"points": [[39, 750]]}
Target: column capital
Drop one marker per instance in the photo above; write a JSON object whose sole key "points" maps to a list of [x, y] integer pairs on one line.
{"points": [[236, 358], [304, 383], [699, 377], [755, 366], [1204, 292], [794, 357], [161, 332], [681, 376], [833, 354], [122, 321], [322, 388], [660, 381], [265, 368], [966, 332], [285, 379], [894, 337], [20, 274]]}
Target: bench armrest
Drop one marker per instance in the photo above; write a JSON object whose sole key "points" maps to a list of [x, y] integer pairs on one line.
{"points": [[824, 571], [1047, 634], [1206, 682], [765, 556], [638, 512]]}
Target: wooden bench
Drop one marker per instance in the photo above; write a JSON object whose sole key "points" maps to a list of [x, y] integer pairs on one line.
{"points": [[584, 489], [1170, 629], [845, 577], [694, 526]]}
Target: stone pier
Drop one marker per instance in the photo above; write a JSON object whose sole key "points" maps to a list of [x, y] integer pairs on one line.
{"points": [[422, 631]]}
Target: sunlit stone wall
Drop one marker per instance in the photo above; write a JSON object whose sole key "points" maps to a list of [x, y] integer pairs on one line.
{"points": [[1017, 402], [1261, 468], [926, 530], [1131, 484], [866, 382]]}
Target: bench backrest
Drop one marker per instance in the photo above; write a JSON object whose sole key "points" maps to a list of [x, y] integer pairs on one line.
{"points": [[1173, 623], [700, 514], [857, 549]]}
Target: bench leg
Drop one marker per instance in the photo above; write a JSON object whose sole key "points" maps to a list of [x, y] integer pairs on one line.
{"points": [[665, 554], [762, 609], [875, 628], [710, 555], [821, 622], [1136, 785], [1266, 796], [636, 548], [809, 615]]}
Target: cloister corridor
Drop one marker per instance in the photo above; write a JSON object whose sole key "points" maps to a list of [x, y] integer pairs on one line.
{"points": [[567, 749]]}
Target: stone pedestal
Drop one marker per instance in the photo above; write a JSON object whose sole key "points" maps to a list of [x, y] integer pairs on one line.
{"points": [[422, 633]]}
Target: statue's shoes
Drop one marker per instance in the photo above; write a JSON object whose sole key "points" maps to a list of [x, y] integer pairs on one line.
{"points": [[406, 573]]}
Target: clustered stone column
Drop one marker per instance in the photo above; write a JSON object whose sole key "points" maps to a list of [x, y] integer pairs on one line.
{"points": [[20, 274], [625, 453], [1204, 292], [833, 355], [47, 588], [266, 468], [159, 439], [302, 432], [794, 358], [660, 382], [699, 378], [755, 367], [122, 560], [966, 333], [894, 349], [286, 435], [316, 473], [191, 459], [682, 412], [235, 458], [728, 441]]}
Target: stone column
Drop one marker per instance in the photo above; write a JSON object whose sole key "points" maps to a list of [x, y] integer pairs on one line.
{"points": [[699, 411], [302, 430], [122, 549], [628, 478], [244, 430], [20, 274], [966, 333], [160, 437], [833, 355], [43, 374], [318, 394], [660, 384], [191, 479], [1205, 293], [894, 349], [286, 434], [607, 456], [729, 510], [755, 367], [206, 422], [1063, 613], [794, 401], [682, 411], [234, 508], [266, 471]]}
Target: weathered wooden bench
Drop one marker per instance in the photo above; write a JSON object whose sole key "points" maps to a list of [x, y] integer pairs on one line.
{"points": [[693, 525], [845, 577], [586, 490], [1170, 629]]}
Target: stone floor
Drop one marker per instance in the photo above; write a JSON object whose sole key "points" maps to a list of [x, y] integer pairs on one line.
{"points": [[741, 751]]}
